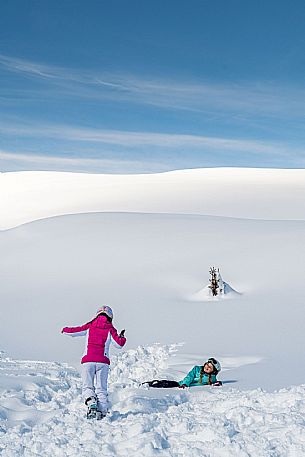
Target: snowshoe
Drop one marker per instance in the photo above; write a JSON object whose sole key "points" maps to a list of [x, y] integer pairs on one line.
{"points": [[100, 415], [92, 407], [92, 411]]}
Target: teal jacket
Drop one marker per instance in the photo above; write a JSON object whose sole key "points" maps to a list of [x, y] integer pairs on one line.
{"points": [[192, 378]]}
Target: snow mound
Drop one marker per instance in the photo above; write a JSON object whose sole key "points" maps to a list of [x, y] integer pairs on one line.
{"points": [[139, 365], [205, 294], [31, 392], [214, 422], [224, 290]]}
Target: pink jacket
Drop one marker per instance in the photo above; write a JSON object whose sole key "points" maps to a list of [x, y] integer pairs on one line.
{"points": [[100, 333]]}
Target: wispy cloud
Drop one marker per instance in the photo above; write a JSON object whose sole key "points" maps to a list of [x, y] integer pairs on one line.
{"points": [[30, 161], [260, 105], [142, 140], [43, 71], [48, 161], [264, 98], [70, 148]]}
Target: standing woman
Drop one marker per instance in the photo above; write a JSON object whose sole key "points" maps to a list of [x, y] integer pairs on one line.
{"points": [[99, 333]]}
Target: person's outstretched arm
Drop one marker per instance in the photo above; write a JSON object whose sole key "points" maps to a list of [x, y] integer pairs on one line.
{"points": [[76, 331]]}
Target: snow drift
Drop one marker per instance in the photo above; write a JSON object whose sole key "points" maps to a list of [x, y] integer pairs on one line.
{"points": [[222, 289], [231, 192], [45, 415]]}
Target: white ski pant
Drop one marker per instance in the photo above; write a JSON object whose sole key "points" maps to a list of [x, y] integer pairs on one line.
{"points": [[94, 376]]}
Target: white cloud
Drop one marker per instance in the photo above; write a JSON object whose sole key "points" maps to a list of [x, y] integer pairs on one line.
{"points": [[263, 98], [133, 139], [29, 161]]}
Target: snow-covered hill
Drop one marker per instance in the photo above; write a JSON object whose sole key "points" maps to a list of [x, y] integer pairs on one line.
{"points": [[146, 251], [231, 192], [57, 271]]}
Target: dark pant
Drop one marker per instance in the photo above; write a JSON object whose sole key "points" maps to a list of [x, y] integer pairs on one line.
{"points": [[163, 383]]}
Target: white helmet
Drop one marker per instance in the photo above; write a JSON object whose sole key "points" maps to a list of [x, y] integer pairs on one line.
{"points": [[215, 363], [106, 310]]}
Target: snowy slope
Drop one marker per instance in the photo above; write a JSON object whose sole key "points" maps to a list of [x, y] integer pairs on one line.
{"points": [[231, 192], [56, 272], [152, 269]]}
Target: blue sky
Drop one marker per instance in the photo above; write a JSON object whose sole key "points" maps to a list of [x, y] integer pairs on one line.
{"points": [[123, 87]]}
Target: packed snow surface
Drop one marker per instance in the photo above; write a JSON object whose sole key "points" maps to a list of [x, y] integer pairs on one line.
{"points": [[146, 250]]}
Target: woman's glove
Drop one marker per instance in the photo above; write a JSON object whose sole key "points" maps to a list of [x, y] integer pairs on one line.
{"points": [[122, 334], [183, 386]]}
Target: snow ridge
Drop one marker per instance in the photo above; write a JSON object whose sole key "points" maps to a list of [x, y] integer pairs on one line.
{"points": [[227, 192]]}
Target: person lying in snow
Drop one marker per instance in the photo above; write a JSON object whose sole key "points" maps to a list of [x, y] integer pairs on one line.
{"points": [[198, 376], [95, 362]]}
